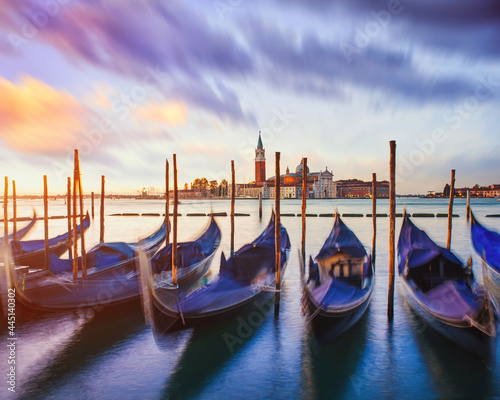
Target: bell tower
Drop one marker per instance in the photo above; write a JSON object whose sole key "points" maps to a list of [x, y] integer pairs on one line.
{"points": [[260, 162]]}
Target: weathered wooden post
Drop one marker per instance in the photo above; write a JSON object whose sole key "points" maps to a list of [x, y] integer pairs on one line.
{"points": [[70, 231], [392, 217], [92, 204], [468, 205], [14, 209], [260, 205], [450, 208], [167, 201], [6, 215], [46, 221], [82, 217], [101, 235], [233, 194], [303, 212], [174, 233], [277, 232], [74, 221], [374, 215]]}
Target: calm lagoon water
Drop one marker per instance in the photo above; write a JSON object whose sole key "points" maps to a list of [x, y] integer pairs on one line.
{"points": [[114, 355]]}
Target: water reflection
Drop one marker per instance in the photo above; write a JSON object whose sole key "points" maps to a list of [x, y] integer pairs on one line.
{"points": [[454, 372], [328, 372], [98, 335], [209, 349]]}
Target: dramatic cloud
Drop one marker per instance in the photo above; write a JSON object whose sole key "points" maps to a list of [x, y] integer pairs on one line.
{"points": [[114, 36], [167, 113], [36, 118], [151, 77]]}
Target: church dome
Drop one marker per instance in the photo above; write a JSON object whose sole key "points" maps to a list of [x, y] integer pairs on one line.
{"points": [[300, 168]]}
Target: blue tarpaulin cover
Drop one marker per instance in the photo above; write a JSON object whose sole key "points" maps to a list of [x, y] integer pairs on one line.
{"points": [[418, 248], [486, 243], [334, 292], [234, 284], [101, 255], [19, 247], [341, 239], [188, 253], [104, 255]]}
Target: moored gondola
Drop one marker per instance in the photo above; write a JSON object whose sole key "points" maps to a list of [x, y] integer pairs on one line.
{"points": [[32, 252], [21, 233], [487, 244], [442, 291], [193, 258], [111, 277], [340, 284], [242, 280]]}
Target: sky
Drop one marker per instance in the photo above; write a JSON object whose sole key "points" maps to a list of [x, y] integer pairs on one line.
{"points": [[130, 83]]}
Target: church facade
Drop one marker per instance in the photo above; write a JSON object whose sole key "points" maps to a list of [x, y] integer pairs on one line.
{"points": [[319, 184]]}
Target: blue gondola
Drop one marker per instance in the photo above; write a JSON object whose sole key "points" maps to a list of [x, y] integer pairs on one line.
{"points": [[487, 245], [242, 279], [111, 277], [32, 252], [340, 284], [21, 233], [442, 291], [193, 258]]}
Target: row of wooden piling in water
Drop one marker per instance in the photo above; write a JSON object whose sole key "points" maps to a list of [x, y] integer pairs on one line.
{"points": [[76, 187], [74, 212]]}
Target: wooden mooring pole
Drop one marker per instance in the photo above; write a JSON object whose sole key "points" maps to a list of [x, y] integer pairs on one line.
{"points": [[82, 217], [303, 213], [74, 221], [70, 231], [46, 221], [468, 205], [233, 194], [277, 232], [174, 233], [260, 205], [392, 217], [167, 201], [14, 210], [6, 214], [374, 216], [101, 235], [92, 204], [450, 208]]}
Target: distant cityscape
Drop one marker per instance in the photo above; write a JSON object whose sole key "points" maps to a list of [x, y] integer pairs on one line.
{"points": [[320, 185]]}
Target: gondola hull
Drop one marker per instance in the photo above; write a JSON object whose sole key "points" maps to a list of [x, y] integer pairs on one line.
{"points": [[333, 303], [327, 326], [167, 312], [459, 332], [443, 292], [57, 246], [21, 233], [115, 285], [243, 282], [107, 283]]}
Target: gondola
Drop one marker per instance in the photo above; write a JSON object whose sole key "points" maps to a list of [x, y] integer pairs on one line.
{"points": [[340, 284], [32, 252], [242, 279], [21, 233], [442, 291], [193, 259], [111, 277], [487, 245]]}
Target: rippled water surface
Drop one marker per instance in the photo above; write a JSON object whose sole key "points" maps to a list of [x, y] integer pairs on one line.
{"points": [[114, 355]]}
